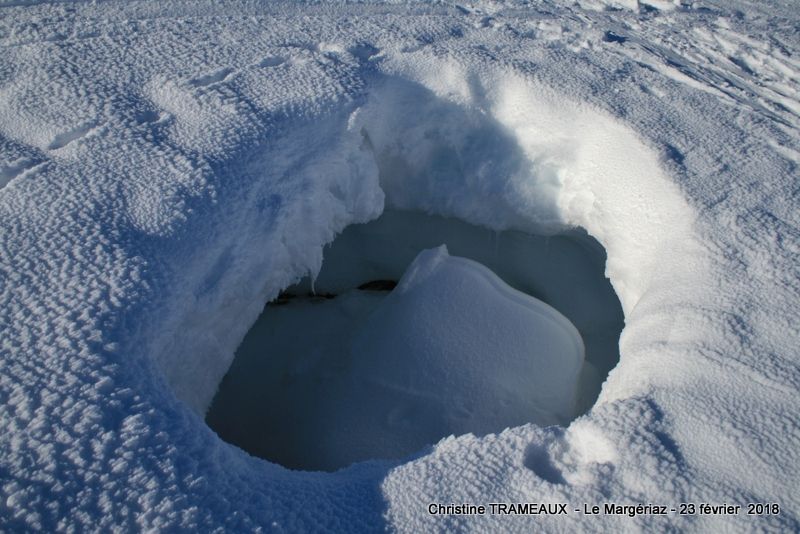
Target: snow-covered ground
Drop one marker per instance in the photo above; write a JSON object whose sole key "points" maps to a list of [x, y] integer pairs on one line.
{"points": [[166, 168]]}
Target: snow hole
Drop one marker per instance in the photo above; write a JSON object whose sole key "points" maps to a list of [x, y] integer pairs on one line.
{"points": [[470, 303], [353, 366]]}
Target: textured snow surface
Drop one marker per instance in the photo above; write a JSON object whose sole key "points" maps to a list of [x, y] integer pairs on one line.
{"points": [[168, 167]]}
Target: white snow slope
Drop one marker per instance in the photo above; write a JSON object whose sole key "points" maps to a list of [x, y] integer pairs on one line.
{"points": [[168, 167]]}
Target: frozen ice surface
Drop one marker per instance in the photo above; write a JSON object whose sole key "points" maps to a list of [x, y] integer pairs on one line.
{"points": [[166, 168]]}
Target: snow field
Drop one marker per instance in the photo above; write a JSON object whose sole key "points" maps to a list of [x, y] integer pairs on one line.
{"points": [[163, 176]]}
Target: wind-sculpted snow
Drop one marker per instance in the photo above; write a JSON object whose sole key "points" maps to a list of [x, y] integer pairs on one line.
{"points": [[166, 168]]}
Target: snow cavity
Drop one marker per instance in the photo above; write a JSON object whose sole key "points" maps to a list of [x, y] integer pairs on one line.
{"points": [[351, 371], [487, 148]]}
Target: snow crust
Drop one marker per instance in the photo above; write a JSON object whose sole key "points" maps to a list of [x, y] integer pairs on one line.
{"points": [[167, 168]]}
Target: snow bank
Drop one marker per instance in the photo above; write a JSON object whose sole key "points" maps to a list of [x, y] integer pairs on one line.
{"points": [[227, 283], [495, 150]]}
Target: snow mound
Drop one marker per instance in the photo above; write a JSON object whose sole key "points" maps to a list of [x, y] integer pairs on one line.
{"points": [[461, 350], [452, 350]]}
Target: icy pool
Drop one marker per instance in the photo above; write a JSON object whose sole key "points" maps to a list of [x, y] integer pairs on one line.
{"points": [[357, 370]]}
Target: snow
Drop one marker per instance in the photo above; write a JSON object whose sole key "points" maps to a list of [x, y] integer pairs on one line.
{"points": [[427, 344], [168, 168]]}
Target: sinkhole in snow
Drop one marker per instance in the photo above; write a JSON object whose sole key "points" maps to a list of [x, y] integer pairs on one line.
{"points": [[403, 342]]}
